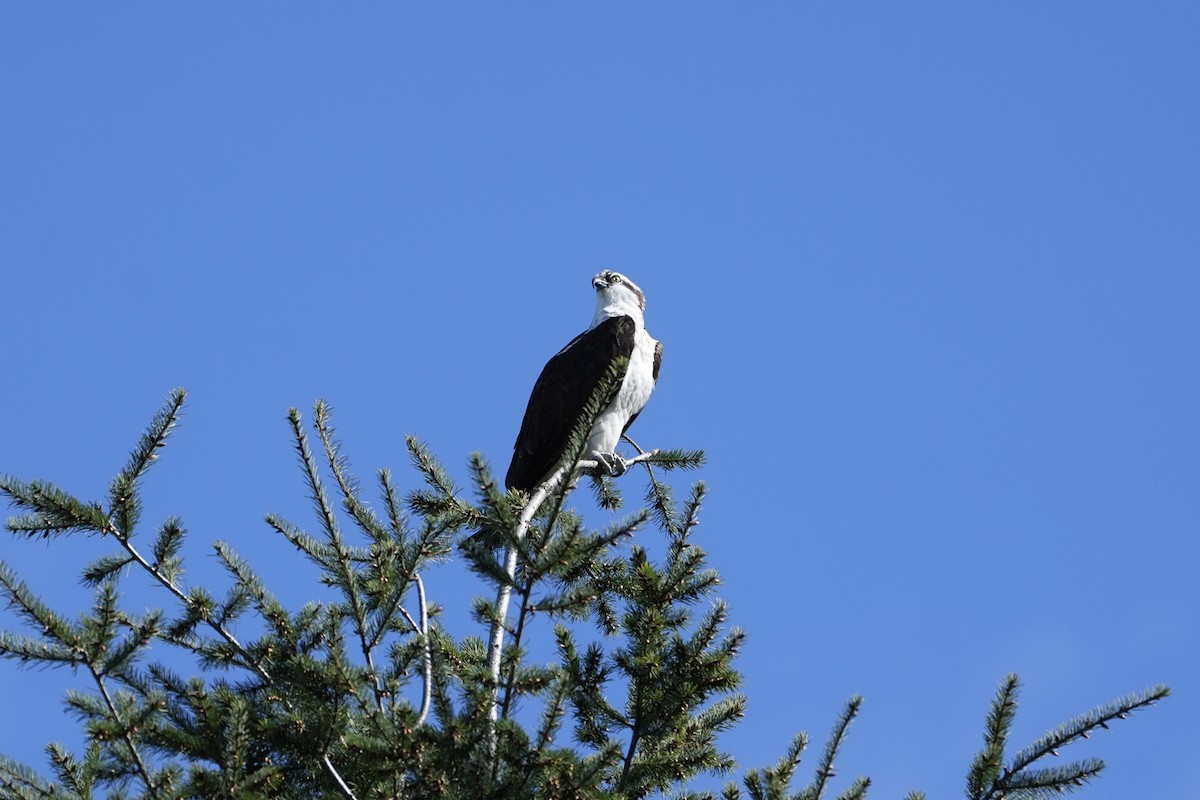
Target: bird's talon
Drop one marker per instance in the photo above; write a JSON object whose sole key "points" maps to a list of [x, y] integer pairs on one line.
{"points": [[611, 464]]}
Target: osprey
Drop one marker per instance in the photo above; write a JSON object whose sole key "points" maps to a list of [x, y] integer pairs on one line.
{"points": [[618, 329]]}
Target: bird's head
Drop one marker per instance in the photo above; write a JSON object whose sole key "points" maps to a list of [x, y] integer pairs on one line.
{"points": [[615, 291]]}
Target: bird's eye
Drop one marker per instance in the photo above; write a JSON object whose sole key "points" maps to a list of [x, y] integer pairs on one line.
{"points": [[616, 278]]}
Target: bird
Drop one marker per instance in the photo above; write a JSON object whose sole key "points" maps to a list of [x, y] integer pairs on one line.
{"points": [[618, 329]]}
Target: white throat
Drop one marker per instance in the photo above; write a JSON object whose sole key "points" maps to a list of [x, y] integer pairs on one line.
{"points": [[610, 303]]}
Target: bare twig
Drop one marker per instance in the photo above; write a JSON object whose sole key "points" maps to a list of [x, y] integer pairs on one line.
{"points": [[423, 630]]}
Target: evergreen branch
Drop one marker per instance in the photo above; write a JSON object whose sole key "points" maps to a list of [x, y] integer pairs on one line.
{"points": [[54, 511], [391, 501], [347, 575], [552, 714], [857, 790], [435, 475], [988, 781], [825, 767], [57, 512], [428, 545], [986, 767], [658, 496], [1031, 784], [410, 560], [166, 549], [141, 633], [550, 721], [25, 649], [572, 555], [36, 613], [154, 438], [676, 459], [125, 508], [317, 551], [773, 782], [126, 732], [1083, 725], [691, 512], [587, 675], [312, 476], [249, 585], [19, 782], [104, 568], [79, 776], [198, 603], [604, 492], [514, 659]]}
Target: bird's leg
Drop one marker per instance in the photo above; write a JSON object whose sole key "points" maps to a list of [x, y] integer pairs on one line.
{"points": [[611, 463]]}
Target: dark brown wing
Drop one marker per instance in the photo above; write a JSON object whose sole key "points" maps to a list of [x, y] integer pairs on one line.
{"points": [[558, 397]]}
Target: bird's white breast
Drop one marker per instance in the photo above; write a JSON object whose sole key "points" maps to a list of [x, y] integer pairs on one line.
{"points": [[632, 397]]}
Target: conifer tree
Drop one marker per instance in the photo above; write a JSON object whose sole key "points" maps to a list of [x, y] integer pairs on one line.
{"points": [[370, 696]]}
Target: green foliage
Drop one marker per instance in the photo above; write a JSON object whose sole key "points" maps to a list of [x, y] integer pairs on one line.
{"points": [[990, 779], [368, 695], [774, 783]]}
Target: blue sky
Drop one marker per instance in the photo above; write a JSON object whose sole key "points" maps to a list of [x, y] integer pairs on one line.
{"points": [[926, 275]]}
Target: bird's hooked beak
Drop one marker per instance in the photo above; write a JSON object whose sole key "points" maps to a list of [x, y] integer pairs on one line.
{"points": [[599, 282]]}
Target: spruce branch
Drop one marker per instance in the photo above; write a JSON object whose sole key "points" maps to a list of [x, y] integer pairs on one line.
{"points": [[53, 510], [1030, 784], [103, 568], [312, 475], [198, 603], [28, 650], [772, 783], [37, 614], [373, 598], [858, 789], [987, 780], [825, 767], [1081, 726], [19, 782], [126, 731], [986, 768], [676, 459], [78, 776], [154, 438], [361, 515]]}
